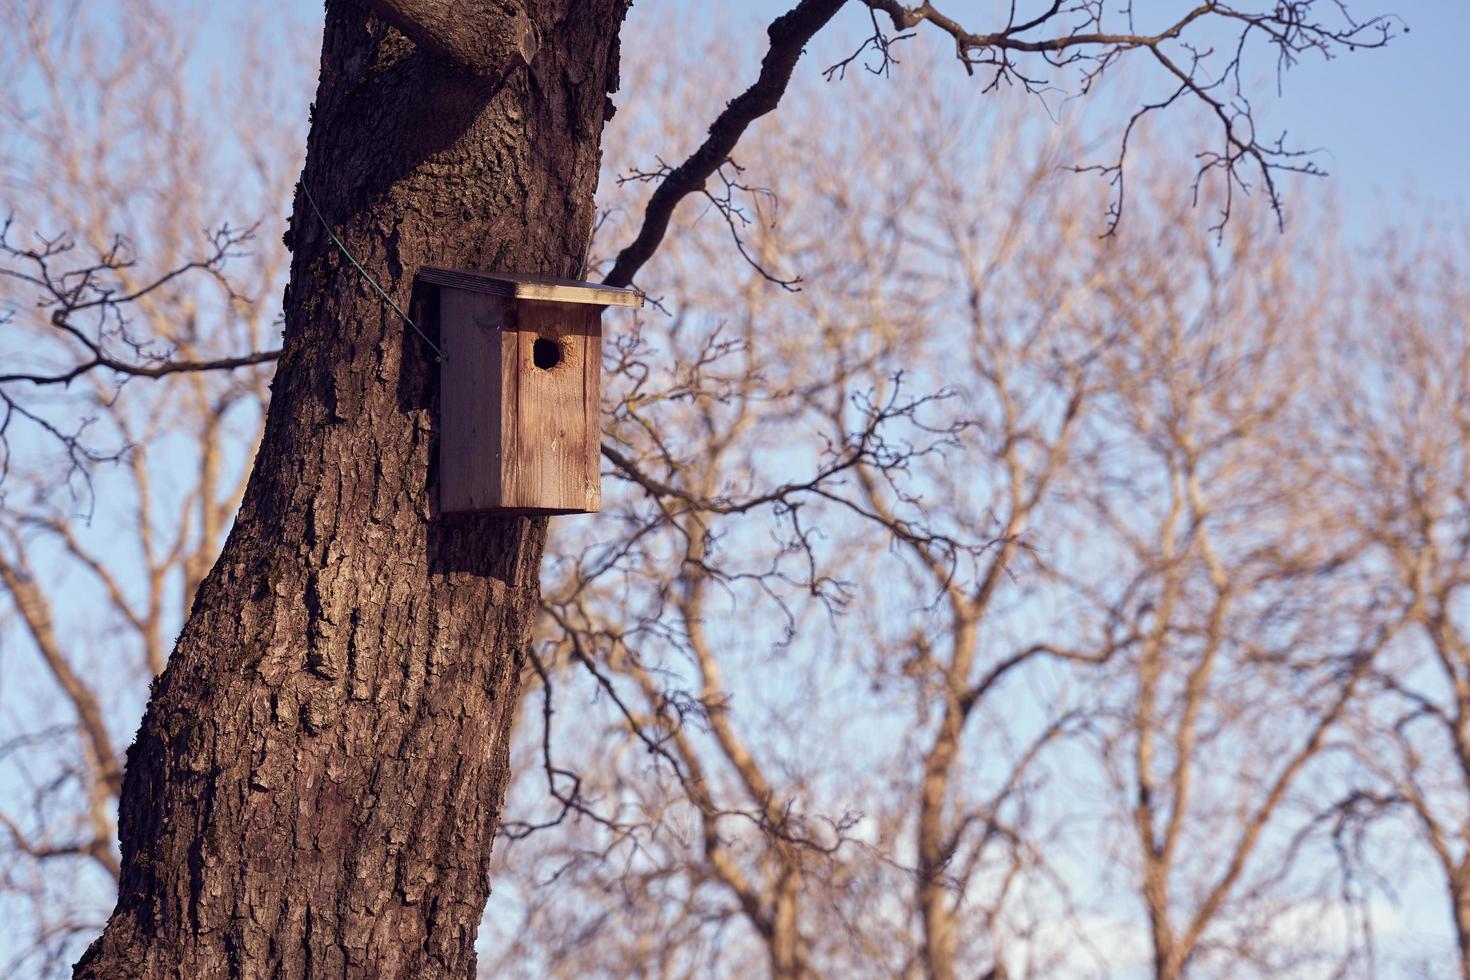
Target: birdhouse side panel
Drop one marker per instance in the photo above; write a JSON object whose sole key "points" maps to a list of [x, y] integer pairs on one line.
{"points": [[471, 395], [553, 366]]}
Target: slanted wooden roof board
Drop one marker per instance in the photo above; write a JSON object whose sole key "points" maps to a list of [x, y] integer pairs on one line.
{"points": [[544, 289]]}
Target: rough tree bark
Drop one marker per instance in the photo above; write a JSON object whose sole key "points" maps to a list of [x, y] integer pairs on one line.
{"points": [[316, 784]]}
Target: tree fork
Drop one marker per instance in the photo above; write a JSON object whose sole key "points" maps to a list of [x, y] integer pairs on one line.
{"points": [[317, 781]]}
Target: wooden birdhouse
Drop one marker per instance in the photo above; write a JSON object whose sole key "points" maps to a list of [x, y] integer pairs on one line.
{"points": [[519, 391]]}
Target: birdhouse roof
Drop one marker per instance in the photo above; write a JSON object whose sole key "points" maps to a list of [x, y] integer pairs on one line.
{"points": [[544, 289]]}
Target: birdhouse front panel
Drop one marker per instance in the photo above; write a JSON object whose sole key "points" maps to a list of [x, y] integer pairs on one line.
{"points": [[520, 391], [552, 363]]}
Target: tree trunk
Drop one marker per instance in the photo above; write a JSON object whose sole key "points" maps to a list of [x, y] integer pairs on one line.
{"points": [[934, 894], [1460, 904], [1168, 961], [317, 781]]}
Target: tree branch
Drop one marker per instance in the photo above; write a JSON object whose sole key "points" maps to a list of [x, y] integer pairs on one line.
{"points": [[789, 34], [1081, 42], [484, 39], [155, 370]]}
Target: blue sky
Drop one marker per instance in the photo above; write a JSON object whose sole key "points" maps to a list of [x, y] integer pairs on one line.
{"points": [[1395, 119]]}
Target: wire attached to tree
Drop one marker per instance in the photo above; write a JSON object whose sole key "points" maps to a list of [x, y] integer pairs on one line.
{"points": [[439, 352]]}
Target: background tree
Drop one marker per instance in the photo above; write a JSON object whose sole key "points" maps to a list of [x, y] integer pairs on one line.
{"points": [[117, 490], [1395, 450], [1108, 551], [1218, 733]]}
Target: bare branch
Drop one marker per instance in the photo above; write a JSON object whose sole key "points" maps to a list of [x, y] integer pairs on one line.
{"points": [[1082, 43], [789, 34]]}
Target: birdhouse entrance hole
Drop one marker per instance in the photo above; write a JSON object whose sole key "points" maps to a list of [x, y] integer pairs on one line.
{"points": [[545, 354]]}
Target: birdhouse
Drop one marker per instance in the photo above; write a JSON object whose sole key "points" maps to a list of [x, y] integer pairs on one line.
{"points": [[519, 391]]}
